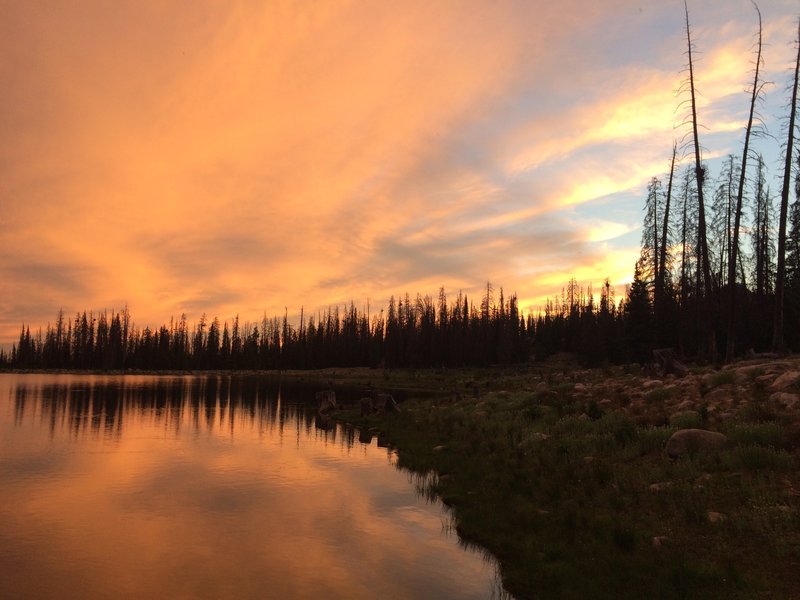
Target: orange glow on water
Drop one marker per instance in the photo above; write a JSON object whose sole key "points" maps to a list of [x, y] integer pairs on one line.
{"points": [[205, 487]]}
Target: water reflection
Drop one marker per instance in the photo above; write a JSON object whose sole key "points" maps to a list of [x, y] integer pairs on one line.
{"points": [[96, 405], [217, 486]]}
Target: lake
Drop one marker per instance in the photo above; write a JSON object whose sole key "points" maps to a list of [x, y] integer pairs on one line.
{"points": [[210, 486]]}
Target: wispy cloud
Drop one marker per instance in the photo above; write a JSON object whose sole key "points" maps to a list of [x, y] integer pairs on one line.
{"points": [[239, 158]]}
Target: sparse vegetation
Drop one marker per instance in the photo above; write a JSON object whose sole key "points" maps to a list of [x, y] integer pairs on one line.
{"points": [[577, 499]]}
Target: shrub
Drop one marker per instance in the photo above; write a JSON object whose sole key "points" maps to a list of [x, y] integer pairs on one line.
{"points": [[659, 395], [714, 380], [760, 434], [722, 378], [754, 457], [686, 420], [619, 426], [654, 439], [594, 411]]}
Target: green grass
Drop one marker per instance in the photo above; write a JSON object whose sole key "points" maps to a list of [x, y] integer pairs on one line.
{"points": [[562, 492]]}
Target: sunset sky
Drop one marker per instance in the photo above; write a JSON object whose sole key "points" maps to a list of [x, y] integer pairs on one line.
{"points": [[241, 157]]}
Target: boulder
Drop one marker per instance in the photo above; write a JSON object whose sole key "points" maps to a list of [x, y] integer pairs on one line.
{"points": [[693, 441], [785, 398], [786, 380], [766, 380]]}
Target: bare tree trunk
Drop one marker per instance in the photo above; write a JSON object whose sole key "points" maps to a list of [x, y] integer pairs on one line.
{"points": [[780, 276], [662, 262], [701, 223], [731, 341], [658, 299]]}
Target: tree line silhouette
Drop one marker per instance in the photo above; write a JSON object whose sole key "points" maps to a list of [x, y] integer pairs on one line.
{"points": [[696, 283], [419, 332]]}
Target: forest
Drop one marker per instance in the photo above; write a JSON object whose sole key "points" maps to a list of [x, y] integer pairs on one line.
{"points": [[718, 278]]}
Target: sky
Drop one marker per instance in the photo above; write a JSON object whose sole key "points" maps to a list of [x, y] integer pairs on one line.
{"points": [[251, 157]]}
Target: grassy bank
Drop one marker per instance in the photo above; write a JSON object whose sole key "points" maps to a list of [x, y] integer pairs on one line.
{"points": [[562, 475]]}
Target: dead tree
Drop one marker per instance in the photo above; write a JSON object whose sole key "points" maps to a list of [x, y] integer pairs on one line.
{"points": [[780, 276], [732, 255], [658, 297], [699, 170]]}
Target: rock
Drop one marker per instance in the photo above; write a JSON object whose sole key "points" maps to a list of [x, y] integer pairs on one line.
{"points": [[715, 517], [720, 395], [786, 380], [777, 367], [660, 486], [659, 541], [649, 384], [765, 380], [693, 441], [785, 398]]}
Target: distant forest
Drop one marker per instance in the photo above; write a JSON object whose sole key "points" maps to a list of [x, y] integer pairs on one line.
{"points": [[718, 277]]}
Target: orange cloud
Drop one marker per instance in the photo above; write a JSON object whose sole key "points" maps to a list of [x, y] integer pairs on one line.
{"points": [[240, 158]]}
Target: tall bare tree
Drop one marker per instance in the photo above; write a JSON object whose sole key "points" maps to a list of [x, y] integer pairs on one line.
{"points": [[662, 260], [700, 172], [780, 276], [755, 91]]}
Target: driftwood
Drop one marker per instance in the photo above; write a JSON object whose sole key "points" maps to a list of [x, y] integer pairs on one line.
{"points": [[665, 357]]}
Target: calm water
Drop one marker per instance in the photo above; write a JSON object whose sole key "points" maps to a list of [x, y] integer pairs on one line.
{"points": [[208, 487]]}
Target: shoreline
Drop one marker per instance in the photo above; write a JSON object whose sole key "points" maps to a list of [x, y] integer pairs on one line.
{"points": [[561, 474]]}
